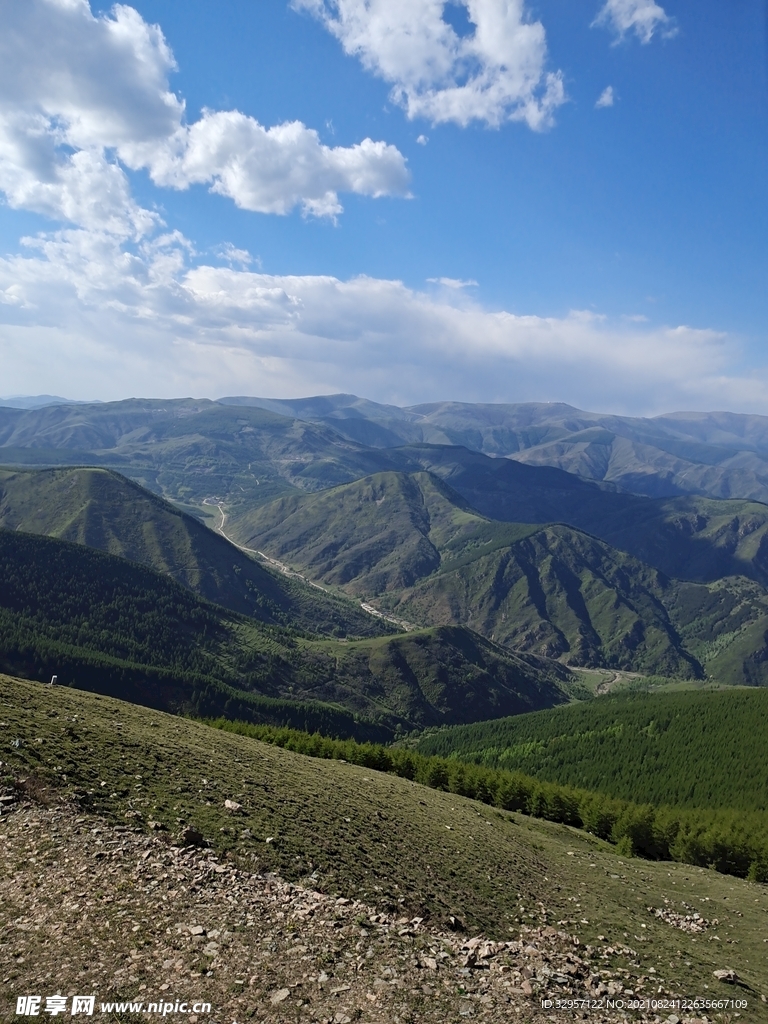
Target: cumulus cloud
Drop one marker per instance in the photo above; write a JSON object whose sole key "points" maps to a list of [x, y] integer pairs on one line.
{"points": [[643, 17], [82, 97], [606, 98], [494, 74], [79, 313], [272, 170]]}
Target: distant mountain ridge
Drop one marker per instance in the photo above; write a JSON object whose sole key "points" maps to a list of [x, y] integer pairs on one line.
{"points": [[37, 401], [717, 454]]}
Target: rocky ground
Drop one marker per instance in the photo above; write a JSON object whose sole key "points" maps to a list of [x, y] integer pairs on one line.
{"points": [[87, 907]]}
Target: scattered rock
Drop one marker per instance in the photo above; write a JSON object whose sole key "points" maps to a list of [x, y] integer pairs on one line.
{"points": [[685, 922], [264, 946], [233, 806], [190, 836], [728, 975]]}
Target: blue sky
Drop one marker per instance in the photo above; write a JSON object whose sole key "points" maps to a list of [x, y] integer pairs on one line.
{"points": [[611, 255]]}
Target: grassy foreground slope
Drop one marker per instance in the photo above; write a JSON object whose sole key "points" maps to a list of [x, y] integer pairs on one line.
{"points": [[692, 749], [102, 509], [414, 544], [354, 830], [104, 623]]}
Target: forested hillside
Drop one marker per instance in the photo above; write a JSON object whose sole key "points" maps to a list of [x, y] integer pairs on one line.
{"points": [[105, 624], [693, 749], [104, 510]]}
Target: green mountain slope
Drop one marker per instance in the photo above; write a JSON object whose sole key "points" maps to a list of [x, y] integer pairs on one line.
{"points": [[694, 749], [105, 624], [412, 541], [688, 537], [413, 544], [379, 533], [692, 538], [103, 510]]}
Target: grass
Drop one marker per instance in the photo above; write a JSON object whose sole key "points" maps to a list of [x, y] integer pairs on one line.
{"points": [[390, 840]]}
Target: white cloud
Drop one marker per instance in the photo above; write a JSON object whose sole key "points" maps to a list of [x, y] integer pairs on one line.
{"points": [[423, 140], [272, 170], [454, 283], [83, 97], [643, 17], [232, 255], [495, 74], [606, 98], [80, 315]]}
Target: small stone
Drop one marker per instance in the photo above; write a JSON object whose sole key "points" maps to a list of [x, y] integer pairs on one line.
{"points": [[233, 806], [728, 975], [279, 996], [190, 836]]}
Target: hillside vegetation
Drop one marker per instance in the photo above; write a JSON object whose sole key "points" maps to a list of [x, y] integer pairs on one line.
{"points": [[417, 547], [109, 625], [350, 831], [693, 538], [102, 509], [730, 841], [693, 749]]}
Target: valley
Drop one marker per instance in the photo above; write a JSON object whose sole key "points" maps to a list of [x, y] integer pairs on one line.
{"points": [[415, 546]]}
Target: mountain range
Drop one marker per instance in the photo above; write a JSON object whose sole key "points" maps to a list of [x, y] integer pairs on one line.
{"points": [[106, 624], [452, 525], [310, 579], [102, 509], [415, 545], [718, 454]]}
